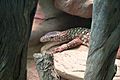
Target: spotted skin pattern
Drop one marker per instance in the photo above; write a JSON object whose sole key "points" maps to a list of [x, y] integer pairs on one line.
{"points": [[74, 37]]}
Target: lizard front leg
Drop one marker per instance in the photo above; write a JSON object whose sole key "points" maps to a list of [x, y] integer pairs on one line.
{"points": [[75, 42]]}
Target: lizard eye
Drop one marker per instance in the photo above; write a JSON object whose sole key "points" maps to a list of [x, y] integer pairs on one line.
{"points": [[52, 37]]}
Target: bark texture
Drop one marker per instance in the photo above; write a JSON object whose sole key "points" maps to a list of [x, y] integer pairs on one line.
{"points": [[16, 18], [45, 66], [105, 40]]}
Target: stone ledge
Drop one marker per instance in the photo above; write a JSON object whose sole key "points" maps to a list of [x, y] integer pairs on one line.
{"points": [[71, 64]]}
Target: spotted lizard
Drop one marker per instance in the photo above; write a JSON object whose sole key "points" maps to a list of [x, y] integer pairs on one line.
{"points": [[74, 37]]}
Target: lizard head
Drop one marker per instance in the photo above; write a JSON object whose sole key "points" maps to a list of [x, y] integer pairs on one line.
{"points": [[52, 36]]}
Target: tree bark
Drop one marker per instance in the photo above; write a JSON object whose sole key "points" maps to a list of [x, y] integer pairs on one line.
{"points": [[45, 66], [105, 40], [16, 18]]}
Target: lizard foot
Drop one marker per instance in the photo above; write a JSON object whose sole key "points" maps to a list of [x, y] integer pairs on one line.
{"points": [[74, 43], [59, 49]]}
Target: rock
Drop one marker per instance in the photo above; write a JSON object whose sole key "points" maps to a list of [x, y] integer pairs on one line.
{"points": [[38, 19], [82, 8], [39, 15], [118, 53], [32, 73], [48, 18], [71, 64]]}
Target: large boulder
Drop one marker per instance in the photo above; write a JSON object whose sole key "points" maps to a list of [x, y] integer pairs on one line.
{"points": [[48, 18], [82, 8]]}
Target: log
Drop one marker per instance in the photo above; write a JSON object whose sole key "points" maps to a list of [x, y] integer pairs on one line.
{"points": [[105, 40], [16, 18]]}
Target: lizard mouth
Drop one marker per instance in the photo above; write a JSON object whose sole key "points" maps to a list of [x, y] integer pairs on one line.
{"points": [[43, 39]]}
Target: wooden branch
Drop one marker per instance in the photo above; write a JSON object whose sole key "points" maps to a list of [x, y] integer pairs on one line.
{"points": [[105, 40], [45, 66]]}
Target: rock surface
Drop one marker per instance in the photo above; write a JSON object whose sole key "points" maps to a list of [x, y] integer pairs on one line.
{"points": [[31, 70], [82, 8], [118, 53], [71, 64], [66, 61], [48, 18]]}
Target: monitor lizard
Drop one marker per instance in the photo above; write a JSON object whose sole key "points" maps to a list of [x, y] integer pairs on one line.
{"points": [[74, 37]]}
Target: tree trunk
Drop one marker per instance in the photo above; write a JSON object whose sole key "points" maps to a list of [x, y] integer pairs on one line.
{"points": [[105, 40], [16, 18]]}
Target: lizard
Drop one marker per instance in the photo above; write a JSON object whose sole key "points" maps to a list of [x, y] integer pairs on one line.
{"points": [[74, 37]]}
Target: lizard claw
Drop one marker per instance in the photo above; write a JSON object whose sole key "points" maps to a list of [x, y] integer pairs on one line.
{"points": [[55, 50], [60, 48], [52, 51]]}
